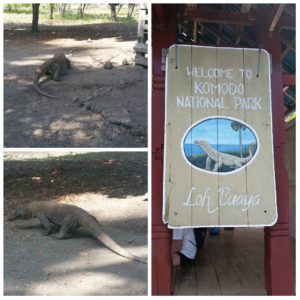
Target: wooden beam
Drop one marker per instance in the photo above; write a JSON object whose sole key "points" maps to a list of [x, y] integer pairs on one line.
{"points": [[287, 49], [289, 80], [202, 30], [221, 25], [290, 95], [289, 110], [160, 13], [237, 34], [244, 36], [286, 70], [218, 16], [195, 32], [287, 42], [217, 34], [290, 10], [287, 22], [199, 37], [245, 8], [276, 12]]}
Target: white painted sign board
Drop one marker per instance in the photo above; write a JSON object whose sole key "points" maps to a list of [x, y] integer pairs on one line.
{"points": [[218, 160]]}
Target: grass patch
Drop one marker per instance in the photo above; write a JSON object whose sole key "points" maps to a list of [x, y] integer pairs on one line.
{"points": [[24, 14]]}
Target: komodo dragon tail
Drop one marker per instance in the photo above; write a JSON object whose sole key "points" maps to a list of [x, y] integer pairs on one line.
{"points": [[94, 228], [38, 74]]}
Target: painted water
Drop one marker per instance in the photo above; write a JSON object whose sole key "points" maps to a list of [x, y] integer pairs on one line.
{"points": [[190, 149]]}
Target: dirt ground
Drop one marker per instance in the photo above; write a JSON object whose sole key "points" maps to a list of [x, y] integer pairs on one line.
{"points": [[115, 100], [110, 186]]}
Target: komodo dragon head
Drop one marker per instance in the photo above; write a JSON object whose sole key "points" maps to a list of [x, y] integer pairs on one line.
{"points": [[202, 143], [21, 213]]}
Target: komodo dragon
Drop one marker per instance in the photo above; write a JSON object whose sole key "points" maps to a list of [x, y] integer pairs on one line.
{"points": [[51, 66], [221, 158], [69, 217]]}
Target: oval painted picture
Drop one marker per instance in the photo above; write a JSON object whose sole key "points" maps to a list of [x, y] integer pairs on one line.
{"points": [[220, 145]]}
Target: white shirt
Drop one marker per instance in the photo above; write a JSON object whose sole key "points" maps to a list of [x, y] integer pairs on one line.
{"points": [[187, 236]]}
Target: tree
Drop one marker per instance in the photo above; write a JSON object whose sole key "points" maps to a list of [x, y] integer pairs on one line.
{"points": [[236, 126], [16, 5], [81, 9], [51, 5], [61, 8], [130, 7], [113, 12], [35, 18], [119, 8]]}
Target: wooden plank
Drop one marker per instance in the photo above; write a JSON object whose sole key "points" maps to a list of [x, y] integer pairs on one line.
{"points": [[160, 13], [249, 281], [287, 22], [228, 280], [289, 80], [290, 95], [195, 32], [185, 282], [218, 16], [253, 253], [245, 8], [275, 15], [207, 281], [257, 233]]}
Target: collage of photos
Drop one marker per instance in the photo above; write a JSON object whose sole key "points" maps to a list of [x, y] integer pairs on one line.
{"points": [[149, 149]]}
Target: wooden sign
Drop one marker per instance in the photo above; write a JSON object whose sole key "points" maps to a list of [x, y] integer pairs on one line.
{"points": [[218, 164]]}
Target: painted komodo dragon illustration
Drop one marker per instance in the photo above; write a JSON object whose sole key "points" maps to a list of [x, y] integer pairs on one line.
{"points": [[69, 217], [221, 158], [51, 66]]}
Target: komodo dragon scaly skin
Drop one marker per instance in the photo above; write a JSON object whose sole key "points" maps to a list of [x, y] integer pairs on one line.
{"points": [[69, 217], [51, 66], [221, 158]]}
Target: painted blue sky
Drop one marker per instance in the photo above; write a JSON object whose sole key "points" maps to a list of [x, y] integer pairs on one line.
{"points": [[219, 131]]}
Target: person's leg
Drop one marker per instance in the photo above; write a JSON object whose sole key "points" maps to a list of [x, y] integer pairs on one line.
{"points": [[176, 259]]}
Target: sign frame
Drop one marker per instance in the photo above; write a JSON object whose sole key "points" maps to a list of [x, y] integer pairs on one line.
{"points": [[166, 221]]}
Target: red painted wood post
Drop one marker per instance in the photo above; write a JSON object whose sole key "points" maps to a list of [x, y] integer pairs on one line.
{"points": [[279, 277], [163, 37]]}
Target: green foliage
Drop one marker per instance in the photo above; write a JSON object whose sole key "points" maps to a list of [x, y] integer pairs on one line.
{"points": [[90, 13], [290, 117], [15, 6]]}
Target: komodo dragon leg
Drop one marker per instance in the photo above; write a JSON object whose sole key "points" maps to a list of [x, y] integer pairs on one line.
{"points": [[55, 71], [237, 164], [69, 223], [218, 165], [68, 62], [45, 222], [208, 163]]}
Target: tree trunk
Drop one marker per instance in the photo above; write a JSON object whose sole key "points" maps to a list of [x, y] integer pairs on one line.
{"points": [[113, 12], [35, 18], [16, 7], [130, 10], [81, 9], [51, 10], [61, 8], [119, 8]]}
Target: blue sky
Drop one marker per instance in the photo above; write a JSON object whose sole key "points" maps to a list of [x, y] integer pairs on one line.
{"points": [[219, 131]]}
